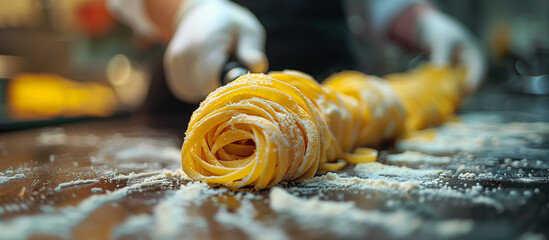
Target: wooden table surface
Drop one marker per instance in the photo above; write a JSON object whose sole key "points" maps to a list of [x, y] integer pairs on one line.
{"points": [[113, 178]]}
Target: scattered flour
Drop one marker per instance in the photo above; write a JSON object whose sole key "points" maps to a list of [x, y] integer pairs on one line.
{"points": [[133, 175], [532, 236], [489, 202], [5, 179], [474, 134], [452, 228], [375, 169], [75, 183], [412, 157], [59, 222], [244, 219], [176, 215], [133, 225], [169, 221], [439, 145], [171, 218], [467, 175], [472, 195], [136, 153], [333, 179], [179, 174], [58, 136], [343, 218], [348, 221]]}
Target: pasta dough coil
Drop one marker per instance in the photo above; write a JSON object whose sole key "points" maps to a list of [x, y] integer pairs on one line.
{"points": [[262, 129]]}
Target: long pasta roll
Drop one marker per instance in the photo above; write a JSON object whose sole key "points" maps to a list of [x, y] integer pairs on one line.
{"points": [[256, 132], [262, 129]]}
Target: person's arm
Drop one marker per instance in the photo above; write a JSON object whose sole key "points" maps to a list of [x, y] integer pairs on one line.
{"points": [[201, 34], [416, 24], [162, 14], [402, 29], [133, 14]]}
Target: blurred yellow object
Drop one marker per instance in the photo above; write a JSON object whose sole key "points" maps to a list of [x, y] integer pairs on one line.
{"points": [[262, 129], [362, 155], [429, 94], [46, 96]]}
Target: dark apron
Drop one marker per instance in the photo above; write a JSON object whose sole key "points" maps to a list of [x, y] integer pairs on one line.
{"points": [[305, 35]]}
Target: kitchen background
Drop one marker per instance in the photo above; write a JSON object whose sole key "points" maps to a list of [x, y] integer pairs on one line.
{"points": [[78, 48]]}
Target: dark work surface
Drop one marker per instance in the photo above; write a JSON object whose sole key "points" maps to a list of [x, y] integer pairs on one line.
{"points": [[491, 97]]}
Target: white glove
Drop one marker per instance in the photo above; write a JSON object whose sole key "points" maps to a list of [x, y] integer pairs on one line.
{"points": [[443, 37], [206, 32]]}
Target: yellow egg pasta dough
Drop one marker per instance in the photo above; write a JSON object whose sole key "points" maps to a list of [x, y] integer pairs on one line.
{"points": [[262, 129]]}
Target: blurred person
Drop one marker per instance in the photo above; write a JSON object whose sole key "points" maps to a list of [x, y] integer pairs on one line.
{"points": [[306, 35]]}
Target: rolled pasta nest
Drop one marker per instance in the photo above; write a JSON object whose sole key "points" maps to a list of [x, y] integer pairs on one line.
{"points": [[262, 129]]}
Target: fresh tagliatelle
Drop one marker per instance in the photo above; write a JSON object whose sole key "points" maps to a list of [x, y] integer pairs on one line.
{"points": [[265, 128]]}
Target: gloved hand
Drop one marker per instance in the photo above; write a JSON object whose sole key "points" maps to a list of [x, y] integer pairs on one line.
{"points": [[206, 33], [442, 37]]}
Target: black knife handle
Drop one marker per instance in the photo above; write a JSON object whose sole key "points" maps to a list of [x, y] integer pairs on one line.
{"points": [[232, 70]]}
